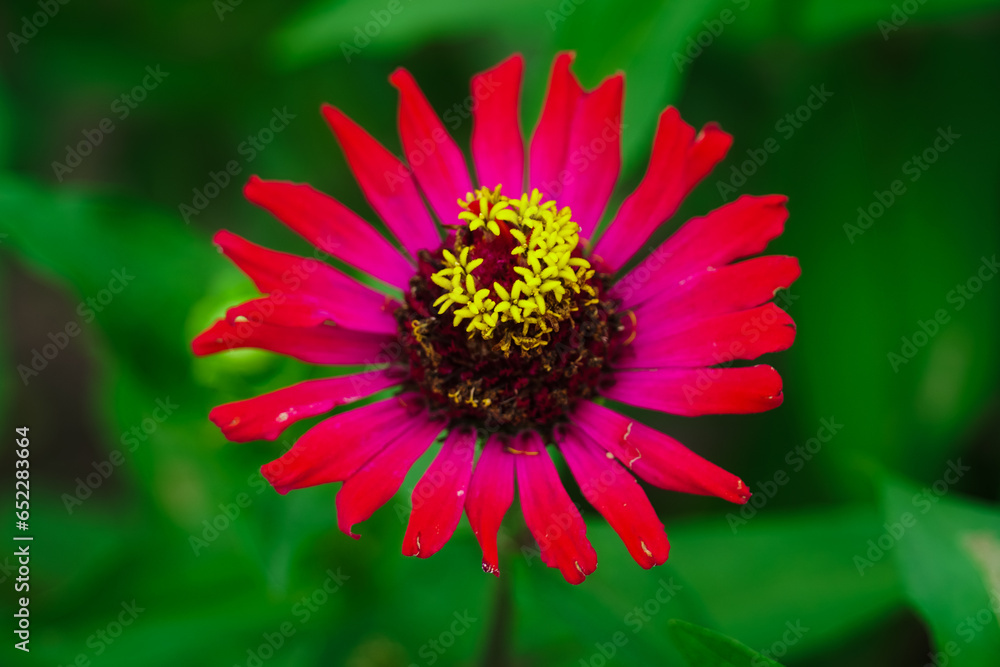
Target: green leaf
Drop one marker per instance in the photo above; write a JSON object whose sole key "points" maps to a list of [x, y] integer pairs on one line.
{"points": [[948, 550], [349, 29], [706, 648]]}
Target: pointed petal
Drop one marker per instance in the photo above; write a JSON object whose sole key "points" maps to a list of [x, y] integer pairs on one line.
{"points": [[266, 416], [299, 310], [497, 143], [729, 289], [594, 157], [434, 157], [323, 344], [699, 391], [387, 184], [377, 481], [335, 448], [714, 340], [679, 160], [438, 498], [739, 229], [551, 140], [551, 516], [655, 457], [491, 491], [282, 275], [613, 491], [331, 227]]}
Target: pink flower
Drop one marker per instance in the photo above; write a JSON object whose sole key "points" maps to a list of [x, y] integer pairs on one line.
{"points": [[507, 335]]}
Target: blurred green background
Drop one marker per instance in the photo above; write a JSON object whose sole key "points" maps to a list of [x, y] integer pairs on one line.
{"points": [[820, 571]]}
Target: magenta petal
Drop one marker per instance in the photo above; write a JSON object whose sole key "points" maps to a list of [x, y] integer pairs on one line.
{"points": [[497, 144], [679, 160], [699, 391], [387, 184], [550, 144], [331, 227], [439, 496], [739, 229], [726, 290], [334, 449], [299, 310], [594, 155], [551, 516], [714, 340], [322, 344], [377, 481], [266, 416], [491, 491], [434, 157], [284, 276], [612, 490], [655, 457]]}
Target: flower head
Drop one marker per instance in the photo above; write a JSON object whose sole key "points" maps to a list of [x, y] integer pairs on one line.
{"points": [[504, 325]]}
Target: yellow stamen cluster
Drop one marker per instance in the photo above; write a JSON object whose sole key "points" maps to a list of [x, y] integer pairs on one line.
{"points": [[545, 238]]}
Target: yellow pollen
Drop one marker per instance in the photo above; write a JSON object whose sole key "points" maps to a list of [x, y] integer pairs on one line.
{"points": [[543, 269]]}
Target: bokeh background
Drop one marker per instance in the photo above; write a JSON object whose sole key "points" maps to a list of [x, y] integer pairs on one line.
{"points": [[820, 571]]}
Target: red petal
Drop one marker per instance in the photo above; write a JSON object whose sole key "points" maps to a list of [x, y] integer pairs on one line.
{"points": [[491, 491], [438, 498], [377, 481], [497, 143], [679, 160], [323, 344], [299, 310], [729, 289], [738, 229], [714, 340], [594, 155], [335, 448], [434, 157], [699, 391], [655, 457], [331, 227], [551, 141], [290, 277], [264, 417], [550, 513], [613, 491], [387, 183]]}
